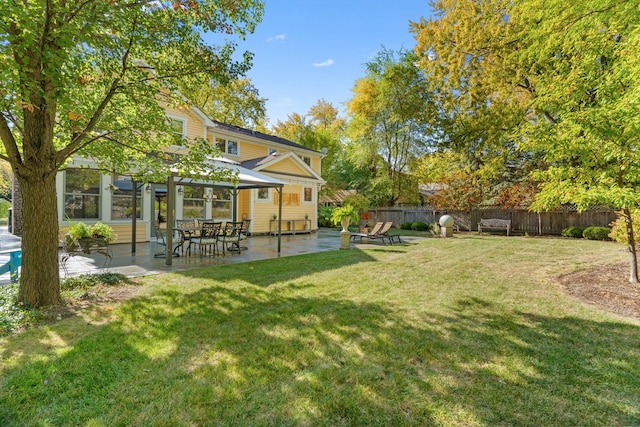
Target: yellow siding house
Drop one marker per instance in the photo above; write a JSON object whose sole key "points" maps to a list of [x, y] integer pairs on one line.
{"points": [[90, 195]]}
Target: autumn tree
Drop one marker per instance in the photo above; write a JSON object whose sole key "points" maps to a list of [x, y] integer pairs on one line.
{"points": [[320, 129], [390, 122], [86, 78], [481, 105], [236, 102], [559, 79]]}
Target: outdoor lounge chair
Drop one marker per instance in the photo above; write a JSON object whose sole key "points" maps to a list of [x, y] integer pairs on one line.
{"points": [[383, 233], [376, 228]]}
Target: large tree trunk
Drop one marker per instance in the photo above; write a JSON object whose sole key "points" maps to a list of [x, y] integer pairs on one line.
{"points": [[40, 276], [631, 245]]}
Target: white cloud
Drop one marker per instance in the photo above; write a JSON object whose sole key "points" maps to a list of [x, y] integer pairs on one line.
{"points": [[327, 63], [279, 37]]}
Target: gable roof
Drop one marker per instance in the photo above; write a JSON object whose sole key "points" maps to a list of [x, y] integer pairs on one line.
{"points": [[260, 135], [264, 163]]}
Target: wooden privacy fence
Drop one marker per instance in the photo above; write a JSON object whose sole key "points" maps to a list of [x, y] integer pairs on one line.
{"points": [[523, 221]]}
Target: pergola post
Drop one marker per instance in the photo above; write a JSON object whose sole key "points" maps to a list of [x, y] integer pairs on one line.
{"points": [[279, 190], [168, 260]]}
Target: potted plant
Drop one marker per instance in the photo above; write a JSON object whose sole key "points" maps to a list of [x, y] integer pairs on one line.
{"points": [[343, 216], [85, 237], [102, 231], [77, 231]]}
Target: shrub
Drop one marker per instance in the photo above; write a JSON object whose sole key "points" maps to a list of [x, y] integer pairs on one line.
{"points": [[573, 232], [420, 226], [78, 230], [619, 228], [324, 216], [596, 233], [406, 225], [100, 230], [359, 202]]}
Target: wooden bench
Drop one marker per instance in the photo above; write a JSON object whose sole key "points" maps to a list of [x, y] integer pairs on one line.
{"points": [[494, 224]]}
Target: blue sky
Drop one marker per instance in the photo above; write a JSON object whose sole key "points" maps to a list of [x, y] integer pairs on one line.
{"points": [[306, 50]]}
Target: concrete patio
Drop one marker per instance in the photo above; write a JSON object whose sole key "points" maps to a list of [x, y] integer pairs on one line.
{"points": [[144, 263]]}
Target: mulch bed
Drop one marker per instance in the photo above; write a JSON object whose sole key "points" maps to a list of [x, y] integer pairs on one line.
{"points": [[607, 287]]}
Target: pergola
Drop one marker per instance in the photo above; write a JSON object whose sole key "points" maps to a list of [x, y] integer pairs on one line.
{"points": [[246, 179]]}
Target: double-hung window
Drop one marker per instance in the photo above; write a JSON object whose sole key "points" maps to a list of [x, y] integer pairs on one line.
{"points": [[193, 202], [122, 200], [221, 203], [227, 146], [179, 130], [82, 194]]}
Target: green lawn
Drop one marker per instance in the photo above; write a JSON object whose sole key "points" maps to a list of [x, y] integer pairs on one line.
{"points": [[465, 331]]}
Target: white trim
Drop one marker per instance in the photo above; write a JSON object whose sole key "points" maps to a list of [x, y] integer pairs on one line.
{"points": [[313, 175], [217, 140]]}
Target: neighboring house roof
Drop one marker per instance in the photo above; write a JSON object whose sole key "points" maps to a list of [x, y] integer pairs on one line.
{"points": [[337, 197], [430, 189], [260, 135]]}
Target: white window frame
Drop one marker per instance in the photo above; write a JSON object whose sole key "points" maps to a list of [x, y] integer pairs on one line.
{"points": [[260, 200], [184, 128], [226, 146]]}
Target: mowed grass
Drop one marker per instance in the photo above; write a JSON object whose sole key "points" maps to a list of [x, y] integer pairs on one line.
{"points": [[466, 331]]}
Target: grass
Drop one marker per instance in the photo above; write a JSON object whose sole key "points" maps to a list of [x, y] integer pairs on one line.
{"points": [[15, 318], [451, 332]]}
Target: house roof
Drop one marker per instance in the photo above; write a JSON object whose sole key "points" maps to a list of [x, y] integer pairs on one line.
{"points": [[260, 135], [246, 178], [264, 164], [337, 197], [430, 189]]}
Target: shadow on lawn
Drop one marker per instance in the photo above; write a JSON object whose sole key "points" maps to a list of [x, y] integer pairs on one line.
{"points": [[270, 271], [260, 356]]}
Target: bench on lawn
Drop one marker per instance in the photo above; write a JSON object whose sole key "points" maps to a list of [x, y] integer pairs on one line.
{"points": [[494, 224]]}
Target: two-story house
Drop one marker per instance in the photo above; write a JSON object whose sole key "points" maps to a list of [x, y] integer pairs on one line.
{"points": [[90, 195]]}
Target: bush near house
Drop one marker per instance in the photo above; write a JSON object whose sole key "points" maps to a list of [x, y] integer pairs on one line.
{"points": [[573, 232], [596, 233], [324, 216], [406, 225]]}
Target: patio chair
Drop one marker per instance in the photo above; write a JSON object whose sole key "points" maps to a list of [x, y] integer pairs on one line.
{"points": [[373, 232], [383, 233], [237, 234], [187, 228], [161, 241], [207, 241]]}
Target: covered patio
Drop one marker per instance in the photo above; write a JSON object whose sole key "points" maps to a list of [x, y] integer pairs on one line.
{"points": [[246, 179]]}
